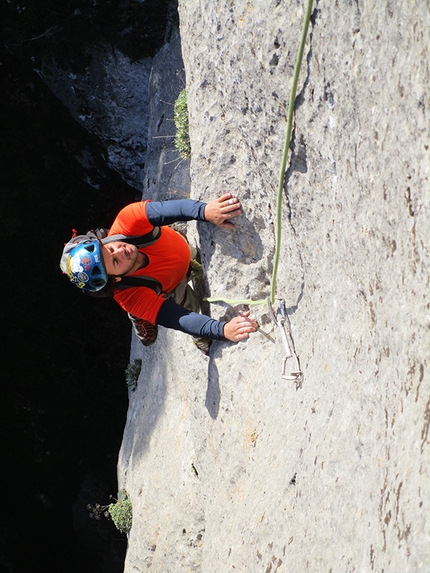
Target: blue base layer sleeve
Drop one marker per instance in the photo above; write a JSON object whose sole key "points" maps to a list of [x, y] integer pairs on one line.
{"points": [[167, 212], [172, 315]]}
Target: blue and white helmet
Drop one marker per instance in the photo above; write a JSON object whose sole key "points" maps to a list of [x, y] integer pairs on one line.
{"points": [[83, 263], [82, 257]]}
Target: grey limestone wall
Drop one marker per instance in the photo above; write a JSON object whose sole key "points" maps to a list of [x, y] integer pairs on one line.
{"points": [[229, 466]]}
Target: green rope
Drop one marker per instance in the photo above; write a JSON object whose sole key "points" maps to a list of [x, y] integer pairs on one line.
{"points": [[232, 302], [289, 129]]}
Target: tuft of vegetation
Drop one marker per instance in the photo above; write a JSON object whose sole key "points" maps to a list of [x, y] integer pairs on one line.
{"points": [[182, 138], [121, 512], [132, 373]]}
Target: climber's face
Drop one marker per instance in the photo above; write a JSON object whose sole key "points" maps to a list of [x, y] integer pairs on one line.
{"points": [[120, 258]]}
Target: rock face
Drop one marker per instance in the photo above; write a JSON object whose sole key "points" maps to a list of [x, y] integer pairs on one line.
{"points": [[110, 100], [229, 466], [166, 176]]}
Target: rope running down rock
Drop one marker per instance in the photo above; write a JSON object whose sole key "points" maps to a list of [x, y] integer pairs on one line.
{"points": [[287, 143]]}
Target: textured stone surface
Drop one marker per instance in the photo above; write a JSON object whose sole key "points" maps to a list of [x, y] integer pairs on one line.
{"points": [[110, 100], [230, 467], [166, 175]]}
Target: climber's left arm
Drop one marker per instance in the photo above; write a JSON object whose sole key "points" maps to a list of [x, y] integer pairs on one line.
{"points": [[219, 211]]}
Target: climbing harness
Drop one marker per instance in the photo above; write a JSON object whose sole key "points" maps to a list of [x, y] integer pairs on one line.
{"points": [[281, 320]]}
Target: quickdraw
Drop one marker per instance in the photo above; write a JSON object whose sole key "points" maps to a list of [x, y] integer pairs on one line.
{"points": [[281, 320]]}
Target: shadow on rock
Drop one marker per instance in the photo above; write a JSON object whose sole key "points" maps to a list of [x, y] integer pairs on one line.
{"points": [[213, 392], [243, 243], [147, 401]]}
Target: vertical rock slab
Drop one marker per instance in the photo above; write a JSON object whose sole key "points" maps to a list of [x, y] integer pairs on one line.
{"points": [[110, 99], [260, 475]]}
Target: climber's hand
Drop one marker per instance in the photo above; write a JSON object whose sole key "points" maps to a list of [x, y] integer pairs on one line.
{"points": [[240, 327], [220, 210]]}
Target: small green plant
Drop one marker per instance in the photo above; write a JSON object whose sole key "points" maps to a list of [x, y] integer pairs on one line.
{"points": [[121, 512], [132, 373], [182, 138]]}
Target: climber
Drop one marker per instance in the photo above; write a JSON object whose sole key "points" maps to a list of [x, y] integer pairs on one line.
{"points": [[145, 265]]}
